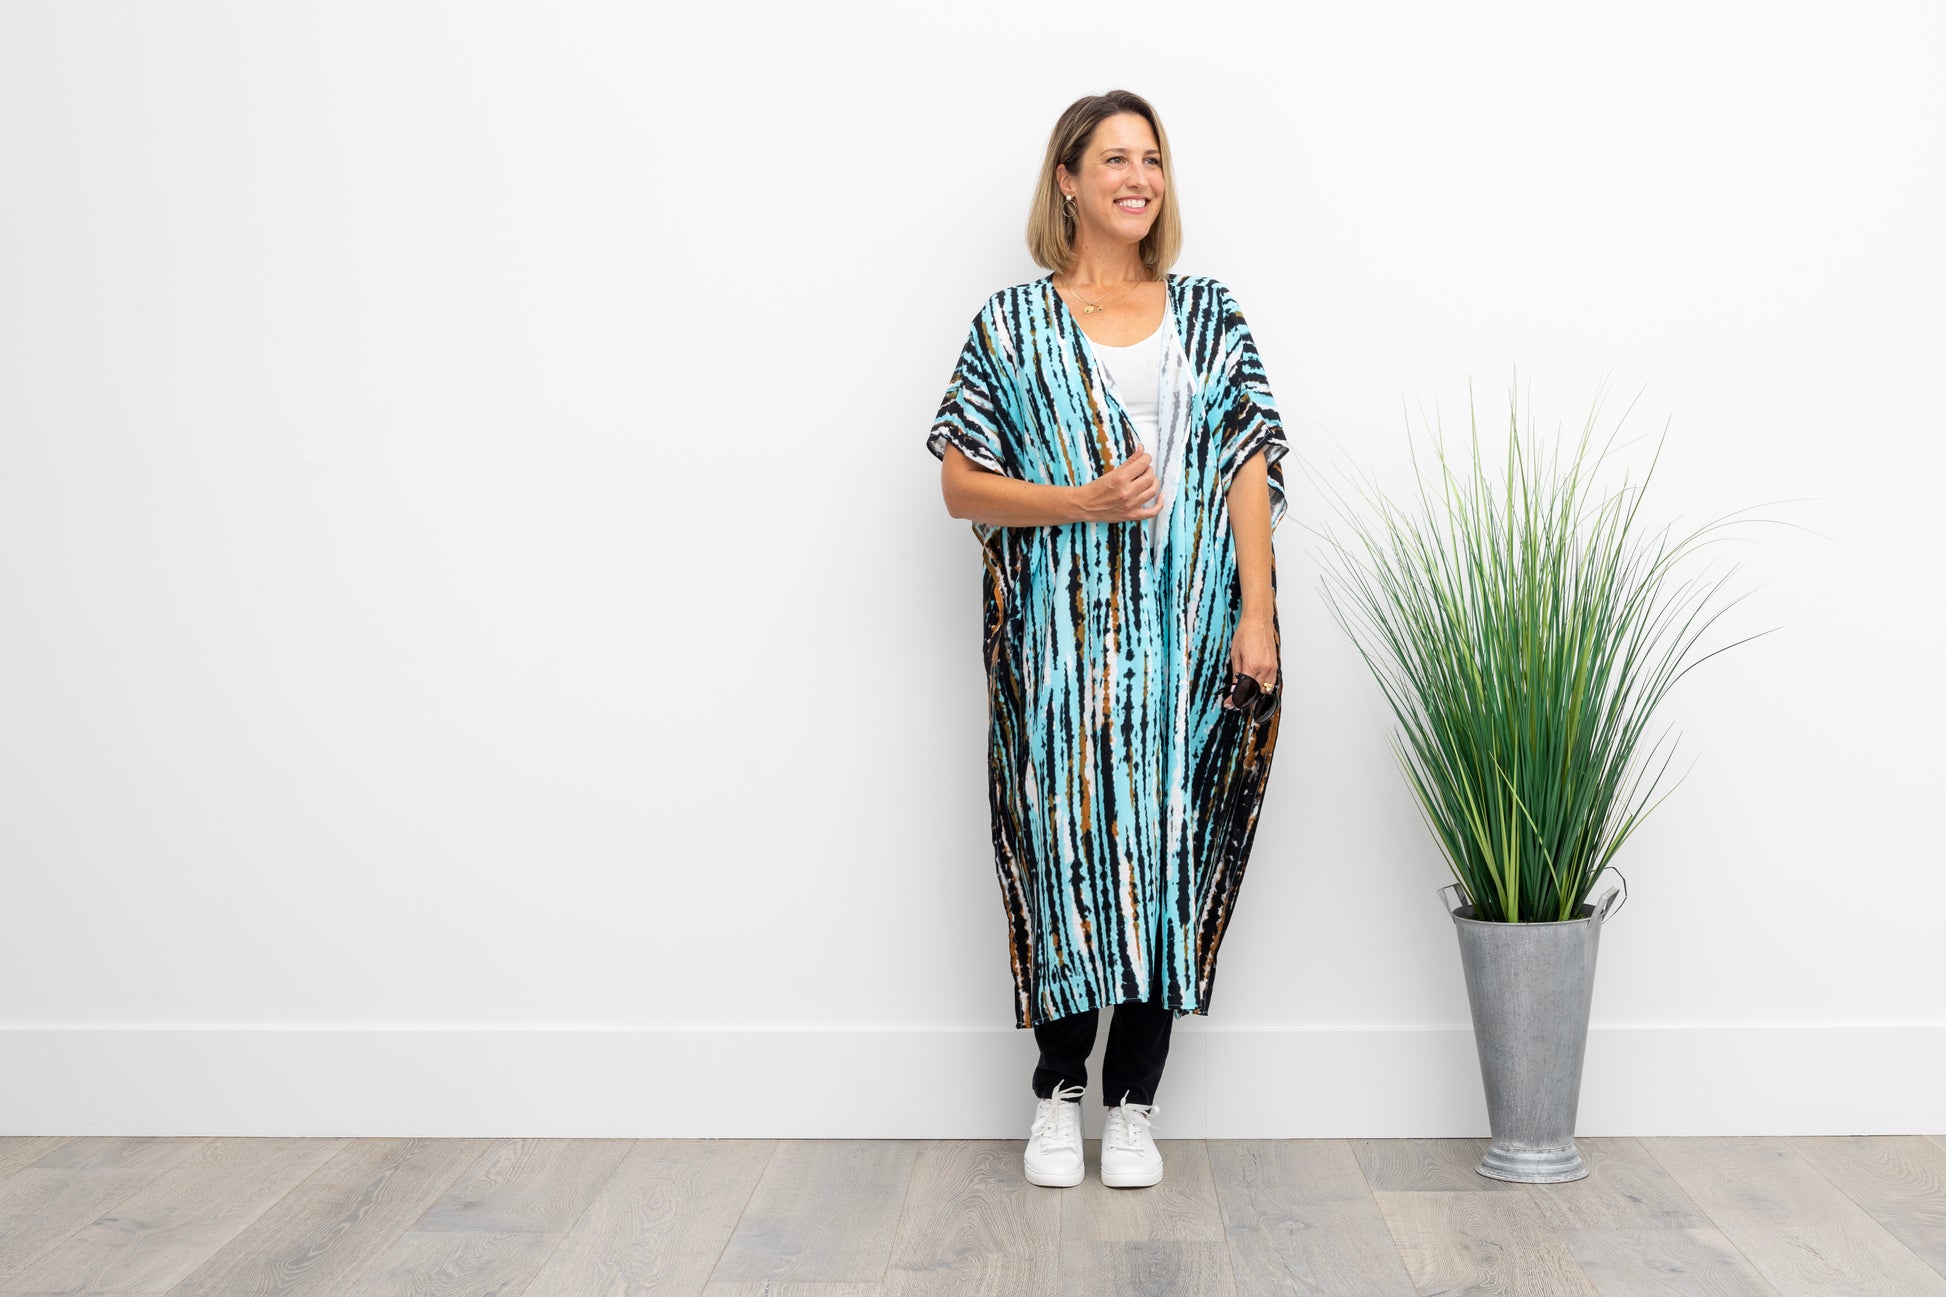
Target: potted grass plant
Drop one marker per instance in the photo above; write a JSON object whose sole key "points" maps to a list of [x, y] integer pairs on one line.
{"points": [[1524, 631]]}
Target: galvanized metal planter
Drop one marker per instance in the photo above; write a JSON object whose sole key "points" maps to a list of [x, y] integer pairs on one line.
{"points": [[1530, 985]]}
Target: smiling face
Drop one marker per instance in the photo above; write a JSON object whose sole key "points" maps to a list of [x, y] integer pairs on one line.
{"points": [[1118, 187]]}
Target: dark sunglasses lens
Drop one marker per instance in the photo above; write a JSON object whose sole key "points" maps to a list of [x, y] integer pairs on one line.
{"points": [[1243, 689]]}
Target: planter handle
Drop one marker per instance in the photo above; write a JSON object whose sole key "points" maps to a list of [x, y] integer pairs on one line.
{"points": [[1605, 905], [1445, 907]]}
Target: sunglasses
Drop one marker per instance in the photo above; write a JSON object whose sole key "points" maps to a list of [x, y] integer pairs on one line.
{"points": [[1252, 699]]}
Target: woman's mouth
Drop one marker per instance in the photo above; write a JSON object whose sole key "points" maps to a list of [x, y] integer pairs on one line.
{"points": [[1132, 204]]}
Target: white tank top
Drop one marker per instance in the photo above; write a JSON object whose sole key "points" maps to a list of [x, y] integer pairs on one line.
{"points": [[1137, 370]]}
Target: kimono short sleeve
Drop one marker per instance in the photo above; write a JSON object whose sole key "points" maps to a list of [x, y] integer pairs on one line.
{"points": [[971, 413], [1250, 419]]}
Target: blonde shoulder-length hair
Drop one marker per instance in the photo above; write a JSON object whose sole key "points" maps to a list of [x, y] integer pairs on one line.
{"points": [[1050, 222]]}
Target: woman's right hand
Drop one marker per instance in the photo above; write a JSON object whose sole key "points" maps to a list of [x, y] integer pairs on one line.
{"points": [[1118, 494]]}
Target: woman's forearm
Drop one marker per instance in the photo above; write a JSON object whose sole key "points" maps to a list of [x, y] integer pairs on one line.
{"points": [[1249, 502], [981, 496]]}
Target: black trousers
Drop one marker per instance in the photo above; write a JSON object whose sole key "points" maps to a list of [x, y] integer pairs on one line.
{"points": [[1138, 1043]]}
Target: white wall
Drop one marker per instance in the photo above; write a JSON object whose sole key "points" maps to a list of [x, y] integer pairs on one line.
{"points": [[472, 568]]}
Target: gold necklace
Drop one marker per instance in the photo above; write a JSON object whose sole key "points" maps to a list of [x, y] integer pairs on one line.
{"points": [[1098, 303]]}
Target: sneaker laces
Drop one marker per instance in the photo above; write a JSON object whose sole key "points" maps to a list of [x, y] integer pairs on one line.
{"points": [[1057, 1121], [1128, 1122]]}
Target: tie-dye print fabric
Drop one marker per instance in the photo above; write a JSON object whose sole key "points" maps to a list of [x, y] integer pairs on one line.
{"points": [[1124, 797]]}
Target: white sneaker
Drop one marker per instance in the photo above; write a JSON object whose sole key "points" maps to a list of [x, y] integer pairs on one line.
{"points": [[1129, 1157], [1054, 1143]]}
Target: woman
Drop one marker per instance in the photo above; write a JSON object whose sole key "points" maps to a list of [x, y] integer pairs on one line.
{"points": [[1110, 435]]}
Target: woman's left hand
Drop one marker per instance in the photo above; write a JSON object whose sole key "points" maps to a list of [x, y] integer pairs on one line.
{"points": [[1253, 652]]}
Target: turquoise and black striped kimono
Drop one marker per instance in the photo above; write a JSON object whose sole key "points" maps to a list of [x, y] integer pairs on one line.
{"points": [[1124, 797]]}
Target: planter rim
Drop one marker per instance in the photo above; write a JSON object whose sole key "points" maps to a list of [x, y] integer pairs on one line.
{"points": [[1596, 911]]}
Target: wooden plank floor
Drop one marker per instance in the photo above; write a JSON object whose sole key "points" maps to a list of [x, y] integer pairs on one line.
{"points": [[1728, 1217]]}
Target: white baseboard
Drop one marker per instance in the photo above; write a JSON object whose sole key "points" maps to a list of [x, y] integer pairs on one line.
{"points": [[1220, 1083]]}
